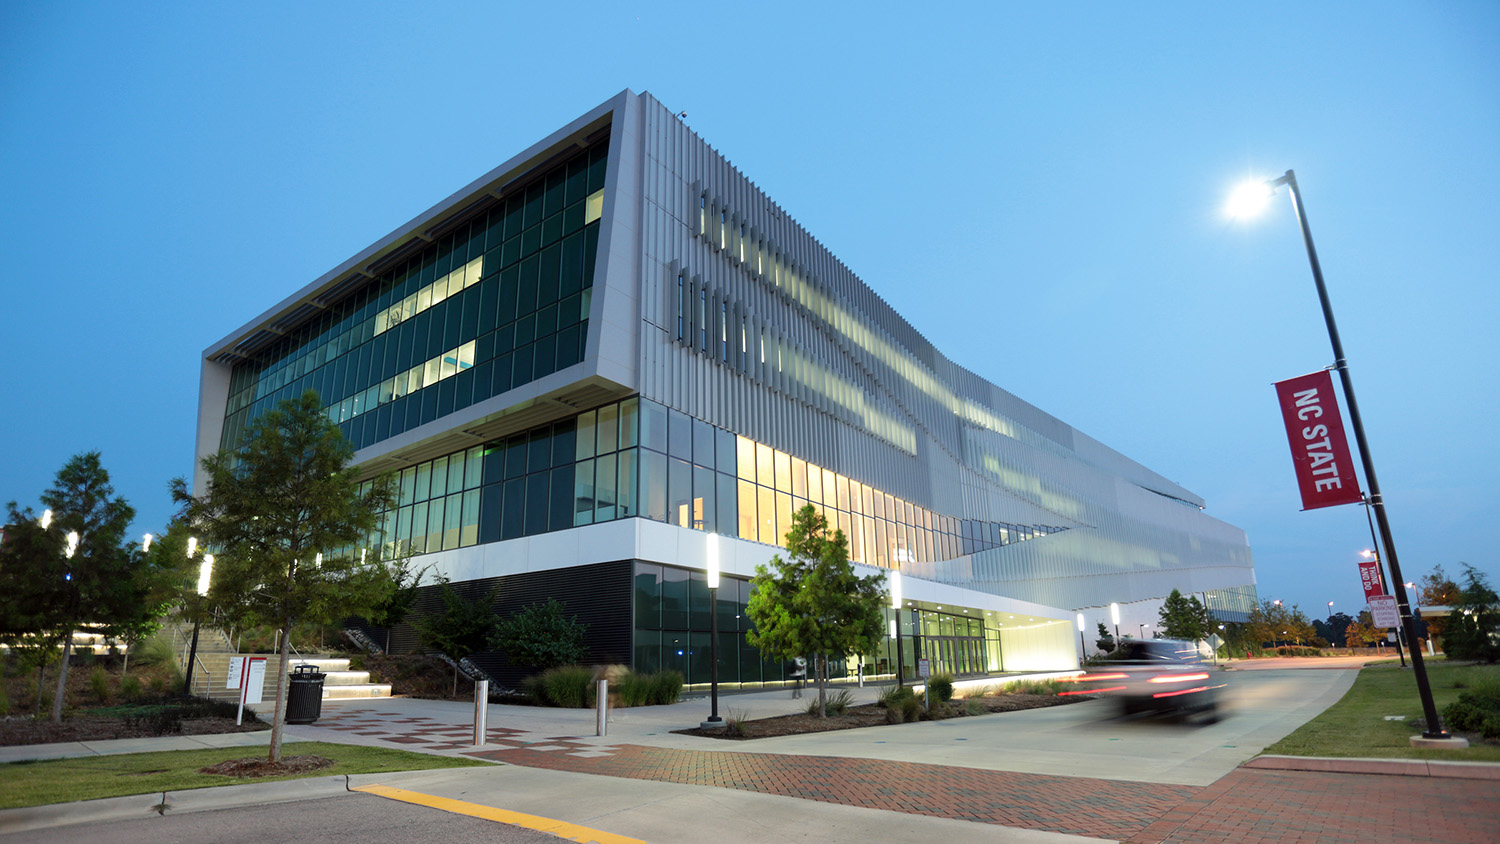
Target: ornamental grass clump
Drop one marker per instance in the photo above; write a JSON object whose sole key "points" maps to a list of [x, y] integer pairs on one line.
{"points": [[568, 686], [666, 687]]}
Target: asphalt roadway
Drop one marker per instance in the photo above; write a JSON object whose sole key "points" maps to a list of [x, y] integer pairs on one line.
{"points": [[1080, 740]]}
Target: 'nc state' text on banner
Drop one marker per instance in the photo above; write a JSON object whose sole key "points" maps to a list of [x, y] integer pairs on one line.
{"points": [[1320, 452]]}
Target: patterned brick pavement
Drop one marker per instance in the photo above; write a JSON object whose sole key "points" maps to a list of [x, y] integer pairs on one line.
{"points": [[1098, 808], [1305, 807], [1248, 805]]}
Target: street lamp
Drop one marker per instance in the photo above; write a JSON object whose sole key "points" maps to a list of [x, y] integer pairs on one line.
{"points": [[896, 628], [1083, 649], [714, 721], [205, 571], [1376, 502]]}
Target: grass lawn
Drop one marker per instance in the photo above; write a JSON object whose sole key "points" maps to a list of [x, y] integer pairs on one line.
{"points": [[1356, 725], [91, 777]]}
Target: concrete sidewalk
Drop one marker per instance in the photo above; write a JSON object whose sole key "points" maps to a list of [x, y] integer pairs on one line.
{"points": [[1025, 776]]}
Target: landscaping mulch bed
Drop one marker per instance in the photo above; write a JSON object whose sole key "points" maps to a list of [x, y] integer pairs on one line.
{"points": [[15, 731], [261, 767], [872, 715]]}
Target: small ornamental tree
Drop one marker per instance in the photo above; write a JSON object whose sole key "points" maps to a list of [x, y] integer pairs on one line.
{"points": [[1106, 640], [460, 628], [285, 516], [539, 636], [813, 602], [1183, 617], [1363, 632], [400, 593]]}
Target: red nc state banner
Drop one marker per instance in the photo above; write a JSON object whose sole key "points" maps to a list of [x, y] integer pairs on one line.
{"points": [[1320, 453], [1369, 578]]}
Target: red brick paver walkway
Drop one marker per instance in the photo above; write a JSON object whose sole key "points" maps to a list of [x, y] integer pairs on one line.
{"points": [[1293, 807], [1248, 805], [1098, 808]]}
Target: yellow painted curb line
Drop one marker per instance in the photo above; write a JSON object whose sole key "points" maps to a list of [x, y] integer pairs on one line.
{"points": [[562, 829]]}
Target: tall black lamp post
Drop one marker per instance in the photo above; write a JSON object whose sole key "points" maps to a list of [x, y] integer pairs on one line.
{"points": [[1377, 503], [896, 627], [714, 721]]}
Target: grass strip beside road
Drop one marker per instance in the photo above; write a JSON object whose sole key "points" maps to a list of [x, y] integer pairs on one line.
{"points": [[1356, 726], [40, 783]]}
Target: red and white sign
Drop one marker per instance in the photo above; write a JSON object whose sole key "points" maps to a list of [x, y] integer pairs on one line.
{"points": [[1320, 452], [1369, 578], [1383, 611]]}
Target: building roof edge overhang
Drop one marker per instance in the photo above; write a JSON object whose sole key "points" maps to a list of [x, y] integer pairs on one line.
{"points": [[413, 235]]}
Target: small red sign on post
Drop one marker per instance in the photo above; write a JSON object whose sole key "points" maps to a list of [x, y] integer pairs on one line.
{"points": [[1369, 578], [1320, 452]]}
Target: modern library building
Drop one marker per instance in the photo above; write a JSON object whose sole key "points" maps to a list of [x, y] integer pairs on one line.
{"points": [[612, 346]]}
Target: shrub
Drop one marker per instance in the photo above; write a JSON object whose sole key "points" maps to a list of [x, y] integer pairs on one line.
{"points": [[941, 687], [99, 684], [130, 687], [4, 702], [153, 651], [1032, 687], [531, 687], [1478, 709], [634, 689], [911, 708], [666, 686], [1490, 729], [974, 706], [734, 724], [838, 704], [975, 692], [568, 686], [835, 704], [892, 696]]}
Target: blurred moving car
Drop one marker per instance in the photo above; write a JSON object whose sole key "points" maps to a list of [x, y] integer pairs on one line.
{"points": [[1155, 675]]}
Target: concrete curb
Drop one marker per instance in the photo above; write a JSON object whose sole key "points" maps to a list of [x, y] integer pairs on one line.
{"points": [[1391, 767], [134, 806]]}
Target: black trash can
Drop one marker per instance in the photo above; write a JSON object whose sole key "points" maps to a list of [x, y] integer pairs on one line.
{"points": [[304, 699]]}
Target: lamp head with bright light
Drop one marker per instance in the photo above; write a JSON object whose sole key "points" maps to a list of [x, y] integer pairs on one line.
{"points": [[46, 519], [205, 571], [72, 543], [1114, 614], [146, 543], [713, 561], [192, 546], [1249, 199]]}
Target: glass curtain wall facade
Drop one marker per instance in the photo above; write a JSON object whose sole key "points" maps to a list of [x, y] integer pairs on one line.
{"points": [[637, 458], [500, 301]]}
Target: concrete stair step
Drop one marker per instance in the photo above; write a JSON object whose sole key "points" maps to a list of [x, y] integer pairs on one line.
{"points": [[361, 690]]}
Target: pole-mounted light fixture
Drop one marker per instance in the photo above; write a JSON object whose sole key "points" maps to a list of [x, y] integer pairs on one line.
{"points": [[1376, 501], [712, 555]]}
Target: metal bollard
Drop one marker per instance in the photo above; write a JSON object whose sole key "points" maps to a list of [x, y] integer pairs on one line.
{"points": [[481, 711], [603, 708]]}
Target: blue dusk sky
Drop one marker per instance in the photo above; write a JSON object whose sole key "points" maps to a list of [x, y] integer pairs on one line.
{"points": [[1037, 187]]}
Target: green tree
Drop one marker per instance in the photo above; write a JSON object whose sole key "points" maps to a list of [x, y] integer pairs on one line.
{"points": [[1437, 589], [401, 592], [1474, 621], [813, 602], [1183, 617], [1363, 631], [285, 516], [75, 573], [539, 636], [1106, 640], [461, 628]]}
